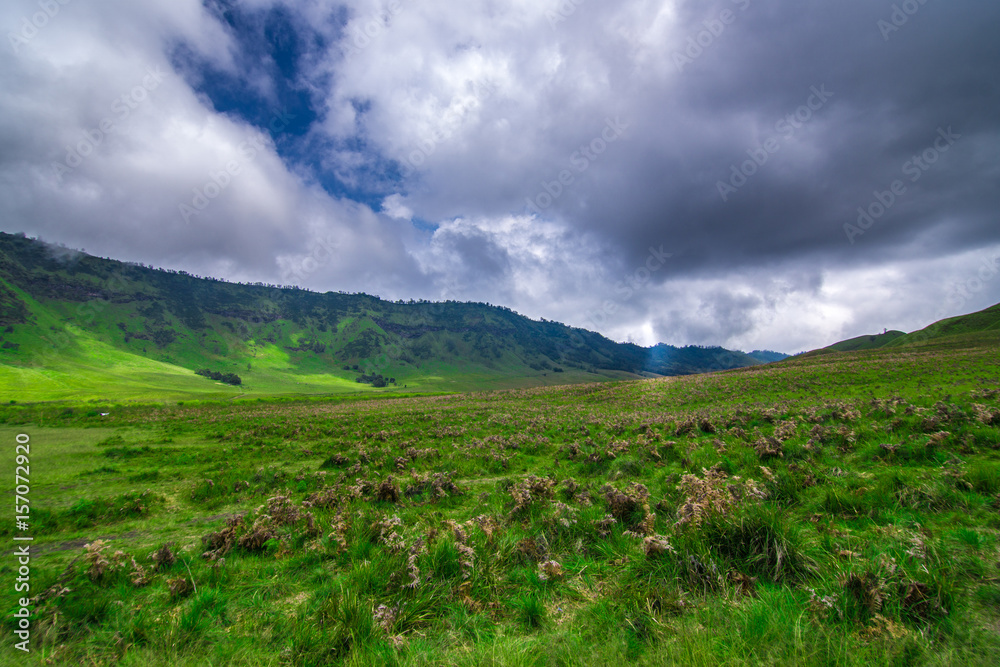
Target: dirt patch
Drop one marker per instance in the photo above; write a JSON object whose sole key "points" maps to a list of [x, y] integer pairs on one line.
{"points": [[214, 517], [78, 543]]}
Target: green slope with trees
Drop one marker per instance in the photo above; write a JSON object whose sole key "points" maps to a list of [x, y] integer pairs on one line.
{"points": [[72, 323]]}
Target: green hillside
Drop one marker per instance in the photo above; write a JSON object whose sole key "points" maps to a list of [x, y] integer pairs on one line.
{"points": [[960, 331], [861, 343], [82, 327], [983, 325]]}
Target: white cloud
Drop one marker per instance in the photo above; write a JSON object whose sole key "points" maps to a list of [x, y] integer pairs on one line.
{"points": [[394, 207]]}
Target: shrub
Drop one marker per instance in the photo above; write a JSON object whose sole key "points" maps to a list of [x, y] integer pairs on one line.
{"points": [[714, 494], [529, 610], [984, 478], [226, 378], [334, 461], [760, 541]]}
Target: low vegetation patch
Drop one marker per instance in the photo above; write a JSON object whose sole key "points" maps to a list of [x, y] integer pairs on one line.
{"points": [[227, 378]]}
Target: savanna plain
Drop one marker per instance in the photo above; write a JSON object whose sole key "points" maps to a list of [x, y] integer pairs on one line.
{"points": [[834, 508]]}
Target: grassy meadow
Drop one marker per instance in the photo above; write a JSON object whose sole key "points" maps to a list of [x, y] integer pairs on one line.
{"points": [[839, 508]]}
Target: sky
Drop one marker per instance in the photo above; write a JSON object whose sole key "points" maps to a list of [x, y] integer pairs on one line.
{"points": [[756, 174]]}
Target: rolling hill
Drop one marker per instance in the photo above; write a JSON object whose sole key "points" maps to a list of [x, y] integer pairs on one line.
{"points": [[953, 331], [77, 326]]}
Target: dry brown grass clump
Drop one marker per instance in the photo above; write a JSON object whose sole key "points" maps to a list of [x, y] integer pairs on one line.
{"points": [[387, 491], [163, 558], [340, 527], [276, 512], [326, 498], [281, 510], [413, 453], [785, 430], [867, 589], [97, 561], [220, 543], [535, 549], [743, 584], [685, 427], [569, 487], [180, 587], [616, 448], [312, 530], [656, 545], [411, 563], [604, 525], [626, 506], [387, 532], [335, 460], [843, 411], [362, 488], [466, 554], [441, 485], [564, 516], [550, 570], [575, 492], [768, 447], [262, 532], [936, 439], [531, 490], [101, 565], [714, 494], [140, 576]]}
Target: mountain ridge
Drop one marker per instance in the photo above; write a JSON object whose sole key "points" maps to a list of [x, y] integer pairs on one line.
{"points": [[64, 307]]}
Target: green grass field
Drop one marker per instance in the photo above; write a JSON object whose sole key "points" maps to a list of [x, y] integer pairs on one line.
{"points": [[830, 509]]}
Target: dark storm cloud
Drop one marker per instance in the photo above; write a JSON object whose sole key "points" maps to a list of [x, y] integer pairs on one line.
{"points": [[888, 100]]}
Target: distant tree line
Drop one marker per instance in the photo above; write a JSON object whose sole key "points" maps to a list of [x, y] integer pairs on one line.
{"points": [[307, 346], [228, 378], [376, 380]]}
